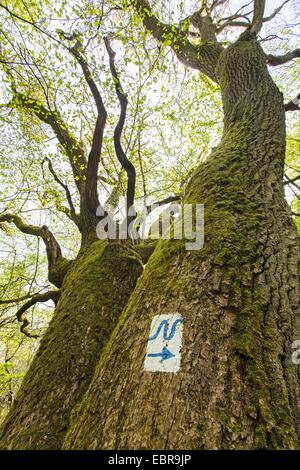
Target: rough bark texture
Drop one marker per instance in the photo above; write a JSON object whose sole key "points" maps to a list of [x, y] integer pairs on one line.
{"points": [[239, 297], [94, 292]]}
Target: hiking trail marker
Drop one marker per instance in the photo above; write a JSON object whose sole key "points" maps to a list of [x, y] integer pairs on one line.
{"points": [[164, 344]]}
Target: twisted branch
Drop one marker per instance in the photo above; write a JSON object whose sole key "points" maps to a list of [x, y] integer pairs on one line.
{"points": [[126, 164], [53, 249], [50, 295], [71, 213]]}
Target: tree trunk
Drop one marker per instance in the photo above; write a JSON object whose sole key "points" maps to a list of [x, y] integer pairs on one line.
{"points": [[94, 292], [239, 298]]}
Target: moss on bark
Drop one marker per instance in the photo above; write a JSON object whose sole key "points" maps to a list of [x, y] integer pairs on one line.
{"points": [[94, 292]]}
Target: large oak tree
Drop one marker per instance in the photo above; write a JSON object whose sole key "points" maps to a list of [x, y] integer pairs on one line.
{"points": [[239, 295]]}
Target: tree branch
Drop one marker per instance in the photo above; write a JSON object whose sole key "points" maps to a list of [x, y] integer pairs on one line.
{"points": [[53, 249], [292, 180], [50, 295], [16, 300], [234, 20], [238, 24], [203, 57], [293, 105], [163, 202], [91, 194], [282, 59], [90, 201], [216, 3], [126, 164], [258, 15], [74, 149], [72, 212], [275, 12]]}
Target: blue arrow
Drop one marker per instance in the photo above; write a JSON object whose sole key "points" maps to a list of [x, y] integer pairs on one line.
{"points": [[165, 354]]}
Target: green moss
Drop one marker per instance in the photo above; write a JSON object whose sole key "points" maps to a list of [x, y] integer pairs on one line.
{"points": [[94, 292]]}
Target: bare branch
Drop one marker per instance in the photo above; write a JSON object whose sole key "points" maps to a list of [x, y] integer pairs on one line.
{"points": [[275, 12], [293, 105], [72, 212], [163, 202], [126, 164], [16, 300], [258, 15], [53, 249], [50, 295], [292, 180], [216, 3], [234, 20], [282, 59], [91, 194], [203, 23], [232, 23]]}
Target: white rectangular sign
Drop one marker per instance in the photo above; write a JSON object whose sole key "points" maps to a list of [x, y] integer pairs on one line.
{"points": [[164, 344]]}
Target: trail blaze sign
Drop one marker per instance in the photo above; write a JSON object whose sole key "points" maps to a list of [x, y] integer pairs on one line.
{"points": [[164, 344]]}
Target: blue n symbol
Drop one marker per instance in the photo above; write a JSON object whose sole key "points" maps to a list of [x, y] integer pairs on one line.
{"points": [[165, 325]]}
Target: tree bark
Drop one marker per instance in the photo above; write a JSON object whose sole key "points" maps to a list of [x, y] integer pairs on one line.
{"points": [[93, 294], [239, 298]]}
